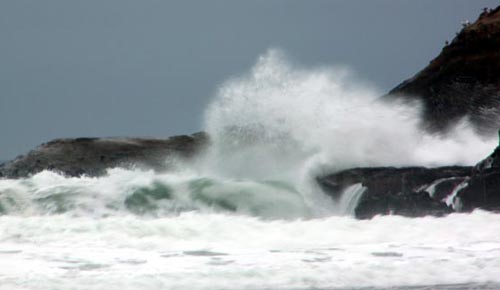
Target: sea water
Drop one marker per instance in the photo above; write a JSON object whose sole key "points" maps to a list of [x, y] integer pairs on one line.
{"points": [[247, 212]]}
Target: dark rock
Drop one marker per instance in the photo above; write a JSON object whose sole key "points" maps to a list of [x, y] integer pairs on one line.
{"points": [[443, 188], [420, 191], [483, 187], [92, 156], [482, 191], [463, 80], [391, 190]]}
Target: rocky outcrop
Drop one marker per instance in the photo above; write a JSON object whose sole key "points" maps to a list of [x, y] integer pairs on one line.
{"points": [[482, 188], [420, 191], [402, 191], [463, 80], [92, 156]]}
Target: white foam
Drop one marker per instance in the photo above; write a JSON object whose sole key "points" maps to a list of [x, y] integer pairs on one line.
{"points": [[110, 195], [349, 199], [273, 131], [431, 189], [270, 121], [452, 199], [215, 251], [249, 214], [288, 123]]}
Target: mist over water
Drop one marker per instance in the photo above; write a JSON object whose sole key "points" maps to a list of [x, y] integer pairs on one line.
{"points": [[247, 212], [278, 116], [283, 122], [273, 130]]}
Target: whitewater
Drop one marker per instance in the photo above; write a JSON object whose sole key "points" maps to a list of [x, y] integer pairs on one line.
{"points": [[246, 213]]}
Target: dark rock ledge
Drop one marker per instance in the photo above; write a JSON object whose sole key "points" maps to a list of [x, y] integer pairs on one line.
{"points": [[92, 156], [420, 191]]}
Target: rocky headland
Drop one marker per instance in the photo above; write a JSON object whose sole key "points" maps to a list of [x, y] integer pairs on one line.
{"points": [[463, 80]]}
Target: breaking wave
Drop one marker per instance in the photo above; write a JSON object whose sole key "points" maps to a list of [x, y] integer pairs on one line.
{"points": [[273, 131], [247, 213], [148, 193]]}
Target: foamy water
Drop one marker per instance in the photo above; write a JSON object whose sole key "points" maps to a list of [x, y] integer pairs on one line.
{"points": [[216, 251], [247, 213]]}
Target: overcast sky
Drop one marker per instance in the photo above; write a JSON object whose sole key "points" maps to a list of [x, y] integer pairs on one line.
{"points": [[148, 68]]}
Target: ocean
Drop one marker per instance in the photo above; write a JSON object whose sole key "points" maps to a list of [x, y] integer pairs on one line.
{"points": [[247, 212]]}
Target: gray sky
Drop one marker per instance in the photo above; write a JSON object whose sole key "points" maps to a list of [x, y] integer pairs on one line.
{"points": [[148, 68]]}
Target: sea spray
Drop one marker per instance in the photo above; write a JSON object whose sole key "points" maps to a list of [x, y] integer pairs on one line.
{"points": [[286, 123], [349, 199], [248, 213], [147, 193], [273, 131], [278, 116]]}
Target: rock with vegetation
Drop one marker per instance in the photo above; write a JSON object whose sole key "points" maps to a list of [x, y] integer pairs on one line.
{"points": [[463, 80]]}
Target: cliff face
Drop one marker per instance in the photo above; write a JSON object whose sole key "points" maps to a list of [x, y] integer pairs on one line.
{"points": [[92, 156], [463, 80]]}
